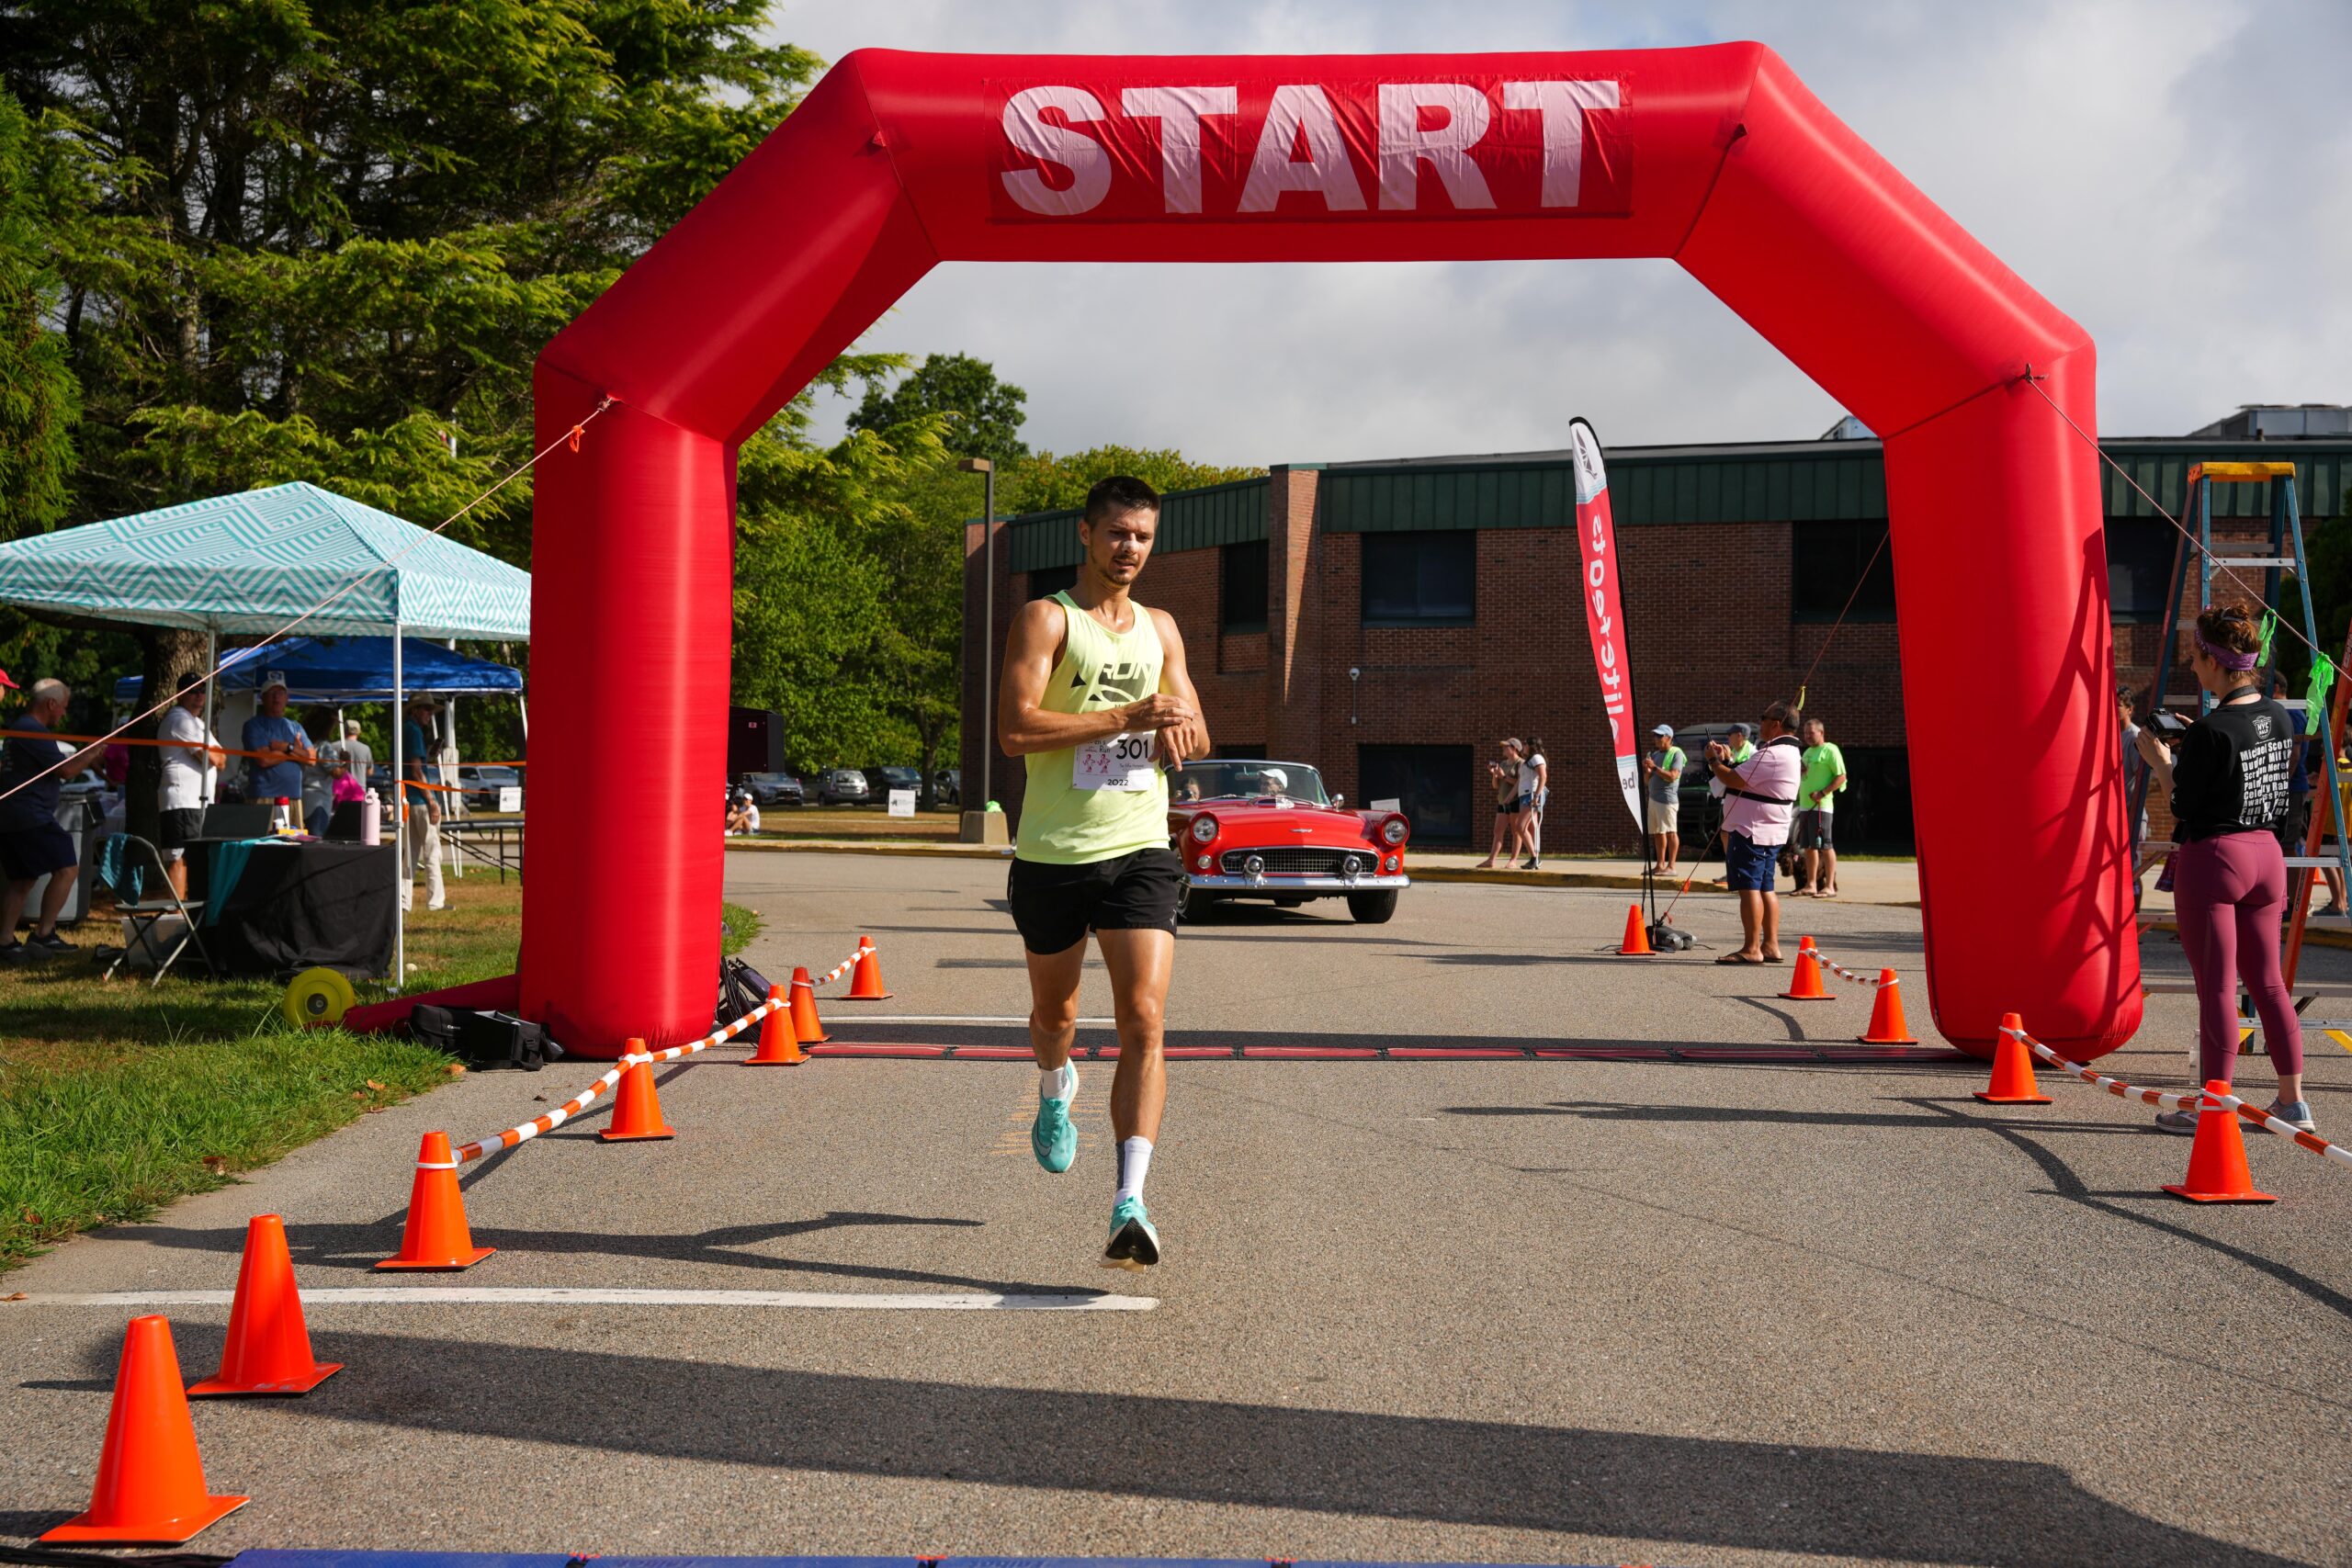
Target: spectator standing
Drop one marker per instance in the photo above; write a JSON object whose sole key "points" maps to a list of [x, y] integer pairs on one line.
{"points": [[1536, 787], [192, 758], [1738, 747], [350, 756], [32, 843], [2229, 794], [277, 773], [1817, 791], [1503, 776], [2296, 830], [420, 819], [1759, 802], [1662, 770]]}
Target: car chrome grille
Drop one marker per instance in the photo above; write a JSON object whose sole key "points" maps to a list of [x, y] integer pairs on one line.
{"points": [[1294, 862]]}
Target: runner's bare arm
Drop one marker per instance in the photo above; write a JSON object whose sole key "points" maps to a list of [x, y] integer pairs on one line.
{"points": [[1023, 724], [1190, 738]]}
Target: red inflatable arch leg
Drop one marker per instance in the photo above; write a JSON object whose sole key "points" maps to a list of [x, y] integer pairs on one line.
{"points": [[1716, 157]]}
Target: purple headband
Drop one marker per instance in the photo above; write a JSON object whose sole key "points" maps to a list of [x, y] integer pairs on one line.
{"points": [[2227, 657]]}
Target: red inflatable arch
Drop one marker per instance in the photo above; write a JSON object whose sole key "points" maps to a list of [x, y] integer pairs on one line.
{"points": [[1716, 157]]}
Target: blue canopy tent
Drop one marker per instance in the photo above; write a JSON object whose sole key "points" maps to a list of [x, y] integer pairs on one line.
{"points": [[264, 561], [356, 670]]}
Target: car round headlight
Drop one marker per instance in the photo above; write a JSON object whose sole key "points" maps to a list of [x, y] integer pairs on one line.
{"points": [[1203, 829], [1255, 865], [1392, 830]]}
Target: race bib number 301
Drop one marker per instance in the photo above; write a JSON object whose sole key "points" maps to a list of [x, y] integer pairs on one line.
{"points": [[1122, 763]]}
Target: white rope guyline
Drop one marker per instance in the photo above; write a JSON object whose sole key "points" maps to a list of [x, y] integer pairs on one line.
{"points": [[241, 654]]}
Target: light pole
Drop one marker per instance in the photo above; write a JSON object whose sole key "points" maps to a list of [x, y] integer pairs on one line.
{"points": [[987, 470]]}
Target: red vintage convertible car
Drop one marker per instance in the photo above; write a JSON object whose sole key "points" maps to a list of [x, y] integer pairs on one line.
{"points": [[1253, 830]]}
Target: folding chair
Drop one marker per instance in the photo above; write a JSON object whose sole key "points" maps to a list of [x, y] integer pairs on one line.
{"points": [[141, 910]]}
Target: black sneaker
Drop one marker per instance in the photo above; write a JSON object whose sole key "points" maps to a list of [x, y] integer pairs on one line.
{"points": [[50, 945], [14, 952]]}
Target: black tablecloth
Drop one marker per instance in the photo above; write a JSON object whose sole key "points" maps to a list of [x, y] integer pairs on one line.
{"points": [[301, 905]]}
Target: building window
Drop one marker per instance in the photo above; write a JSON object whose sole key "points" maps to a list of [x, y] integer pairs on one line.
{"points": [[1829, 560], [1431, 784], [1049, 581], [2140, 552], [1421, 579], [1241, 596]]}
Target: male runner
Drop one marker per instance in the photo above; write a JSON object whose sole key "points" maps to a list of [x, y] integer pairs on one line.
{"points": [[1096, 696]]}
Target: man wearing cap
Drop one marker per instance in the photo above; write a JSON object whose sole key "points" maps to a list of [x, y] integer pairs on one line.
{"points": [[1762, 800], [282, 749], [32, 843], [1663, 770], [191, 755], [349, 756], [421, 839]]}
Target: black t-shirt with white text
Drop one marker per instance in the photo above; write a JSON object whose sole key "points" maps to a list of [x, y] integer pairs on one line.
{"points": [[2230, 772]]}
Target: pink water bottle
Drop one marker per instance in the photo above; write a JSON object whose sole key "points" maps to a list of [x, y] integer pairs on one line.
{"points": [[371, 819]]}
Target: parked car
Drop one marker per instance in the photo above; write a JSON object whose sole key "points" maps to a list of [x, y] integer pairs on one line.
{"points": [[773, 789], [880, 781], [1246, 828], [480, 785], [842, 786], [947, 786]]}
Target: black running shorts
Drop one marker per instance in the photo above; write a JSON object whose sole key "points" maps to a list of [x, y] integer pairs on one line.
{"points": [[1055, 906]]}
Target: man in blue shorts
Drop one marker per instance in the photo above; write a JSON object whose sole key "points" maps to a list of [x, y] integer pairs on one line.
{"points": [[32, 843], [1759, 798]]}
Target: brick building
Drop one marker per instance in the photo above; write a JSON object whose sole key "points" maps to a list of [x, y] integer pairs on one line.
{"points": [[1389, 621]]}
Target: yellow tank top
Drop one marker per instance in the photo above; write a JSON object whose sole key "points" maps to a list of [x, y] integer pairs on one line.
{"points": [[1108, 798]]}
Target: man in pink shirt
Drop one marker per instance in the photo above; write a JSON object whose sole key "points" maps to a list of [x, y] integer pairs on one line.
{"points": [[1760, 801]]}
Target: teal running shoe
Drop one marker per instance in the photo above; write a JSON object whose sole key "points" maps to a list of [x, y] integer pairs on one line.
{"points": [[1133, 1243], [1052, 1137]]}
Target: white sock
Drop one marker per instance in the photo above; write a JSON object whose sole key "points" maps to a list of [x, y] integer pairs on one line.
{"points": [[1057, 1083], [1134, 1164]]}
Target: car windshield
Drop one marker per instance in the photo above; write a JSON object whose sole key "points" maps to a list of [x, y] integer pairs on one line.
{"points": [[1247, 780], [767, 778]]}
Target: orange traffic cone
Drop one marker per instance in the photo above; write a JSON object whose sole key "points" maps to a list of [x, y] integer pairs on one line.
{"points": [[2012, 1069], [866, 982], [269, 1345], [151, 1483], [1806, 987], [806, 1029], [1637, 937], [1887, 1026], [779, 1043], [435, 1235], [2217, 1172], [637, 1111]]}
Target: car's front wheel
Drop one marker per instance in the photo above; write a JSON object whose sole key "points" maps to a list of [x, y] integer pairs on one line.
{"points": [[1373, 909], [1195, 906]]}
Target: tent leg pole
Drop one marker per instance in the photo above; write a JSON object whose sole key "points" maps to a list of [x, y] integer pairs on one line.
{"points": [[400, 828], [211, 707]]}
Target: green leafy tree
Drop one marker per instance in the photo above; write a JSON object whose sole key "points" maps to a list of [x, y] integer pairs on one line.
{"points": [[325, 239], [985, 414], [1047, 484]]}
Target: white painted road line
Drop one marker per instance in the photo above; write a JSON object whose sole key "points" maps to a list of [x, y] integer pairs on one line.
{"points": [[954, 1017], [508, 1295]]}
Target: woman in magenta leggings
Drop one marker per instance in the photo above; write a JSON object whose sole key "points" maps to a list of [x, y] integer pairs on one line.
{"points": [[2229, 784]]}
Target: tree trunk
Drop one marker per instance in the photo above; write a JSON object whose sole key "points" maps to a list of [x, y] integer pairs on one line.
{"points": [[165, 654]]}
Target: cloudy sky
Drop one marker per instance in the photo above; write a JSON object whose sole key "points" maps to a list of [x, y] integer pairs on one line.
{"points": [[2175, 174]]}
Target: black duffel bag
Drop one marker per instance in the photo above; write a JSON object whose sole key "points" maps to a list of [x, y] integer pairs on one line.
{"points": [[486, 1040]]}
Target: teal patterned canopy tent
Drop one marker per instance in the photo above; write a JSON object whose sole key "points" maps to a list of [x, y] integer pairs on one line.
{"points": [[255, 561]]}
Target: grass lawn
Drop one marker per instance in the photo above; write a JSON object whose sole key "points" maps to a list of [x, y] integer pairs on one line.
{"points": [[118, 1097]]}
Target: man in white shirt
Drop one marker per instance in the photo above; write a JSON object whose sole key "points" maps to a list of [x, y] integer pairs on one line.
{"points": [[1760, 801], [192, 757]]}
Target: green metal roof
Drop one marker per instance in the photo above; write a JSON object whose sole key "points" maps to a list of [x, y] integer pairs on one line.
{"points": [[1797, 481], [1229, 513]]}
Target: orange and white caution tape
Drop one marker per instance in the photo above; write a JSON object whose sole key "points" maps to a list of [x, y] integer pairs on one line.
{"points": [[586, 1097], [2195, 1100], [844, 967], [1830, 963]]}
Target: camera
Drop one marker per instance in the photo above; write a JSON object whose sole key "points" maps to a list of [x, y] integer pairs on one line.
{"points": [[2168, 723]]}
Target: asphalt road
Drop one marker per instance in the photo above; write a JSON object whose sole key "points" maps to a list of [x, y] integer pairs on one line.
{"points": [[1536, 1312]]}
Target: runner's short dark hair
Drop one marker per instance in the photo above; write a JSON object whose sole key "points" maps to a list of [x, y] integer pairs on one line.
{"points": [[1788, 715], [1119, 495]]}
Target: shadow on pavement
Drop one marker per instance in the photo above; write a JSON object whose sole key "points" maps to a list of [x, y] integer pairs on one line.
{"points": [[1614, 1111], [1759, 1497], [357, 1247]]}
